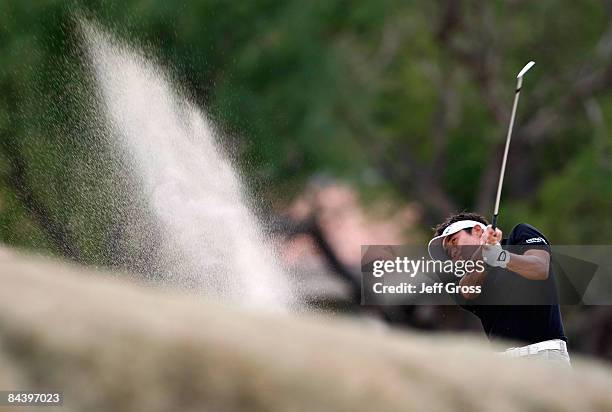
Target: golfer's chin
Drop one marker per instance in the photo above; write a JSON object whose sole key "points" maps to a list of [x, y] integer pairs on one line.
{"points": [[467, 252]]}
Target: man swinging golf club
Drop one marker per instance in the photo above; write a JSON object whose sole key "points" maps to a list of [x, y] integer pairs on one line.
{"points": [[517, 299]]}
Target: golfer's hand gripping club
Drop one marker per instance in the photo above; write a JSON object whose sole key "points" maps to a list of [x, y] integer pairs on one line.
{"points": [[492, 252]]}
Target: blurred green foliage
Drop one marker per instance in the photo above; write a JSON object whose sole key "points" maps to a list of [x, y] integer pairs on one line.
{"points": [[409, 98]]}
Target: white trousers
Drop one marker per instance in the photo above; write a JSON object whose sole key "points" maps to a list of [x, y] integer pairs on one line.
{"points": [[552, 350]]}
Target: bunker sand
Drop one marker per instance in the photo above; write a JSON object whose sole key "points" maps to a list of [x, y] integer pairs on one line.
{"points": [[110, 344]]}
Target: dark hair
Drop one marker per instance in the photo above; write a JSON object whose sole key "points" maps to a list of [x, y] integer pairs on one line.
{"points": [[456, 218]]}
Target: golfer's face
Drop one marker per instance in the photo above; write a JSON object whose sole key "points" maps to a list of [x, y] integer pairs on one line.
{"points": [[461, 245]]}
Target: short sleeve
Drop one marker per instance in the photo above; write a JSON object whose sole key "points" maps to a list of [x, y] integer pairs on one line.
{"points": [[528, 237]]}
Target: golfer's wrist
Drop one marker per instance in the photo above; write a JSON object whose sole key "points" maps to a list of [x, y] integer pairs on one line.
{"points": [[509, 259]]}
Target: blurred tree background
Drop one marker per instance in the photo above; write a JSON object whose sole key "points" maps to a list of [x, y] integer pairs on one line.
{"points": [[402, 99]]}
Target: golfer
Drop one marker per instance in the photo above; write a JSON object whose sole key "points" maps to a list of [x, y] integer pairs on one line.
{"points": [[517, 299]]}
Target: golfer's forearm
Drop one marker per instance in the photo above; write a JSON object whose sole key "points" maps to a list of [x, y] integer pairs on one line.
{"points": [[472, 279], [530, 266]]}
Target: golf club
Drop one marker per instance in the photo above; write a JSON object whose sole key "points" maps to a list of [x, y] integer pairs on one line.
{"points": [[519, 84]]}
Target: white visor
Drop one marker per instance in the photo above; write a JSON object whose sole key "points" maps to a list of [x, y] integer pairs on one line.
{"points": [[435, 247]]}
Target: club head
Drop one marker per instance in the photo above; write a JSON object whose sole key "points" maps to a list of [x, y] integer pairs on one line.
{"points": [[525, 69]]}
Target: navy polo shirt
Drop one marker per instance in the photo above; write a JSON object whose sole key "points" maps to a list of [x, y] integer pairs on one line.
{"points": [[507, 305]]}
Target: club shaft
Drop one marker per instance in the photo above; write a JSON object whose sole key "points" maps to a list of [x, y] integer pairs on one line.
{"points": [[505, 158]]}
